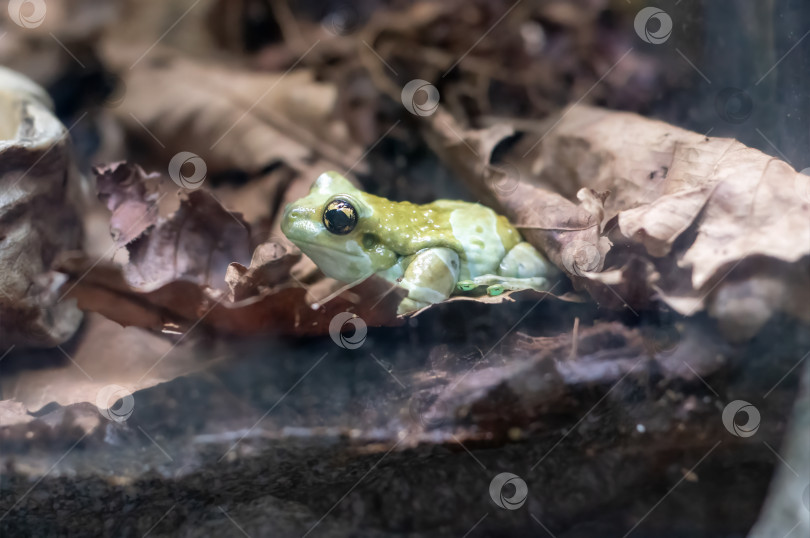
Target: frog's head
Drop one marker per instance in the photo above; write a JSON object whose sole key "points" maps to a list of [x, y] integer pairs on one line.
{"points": [[335, 226]]}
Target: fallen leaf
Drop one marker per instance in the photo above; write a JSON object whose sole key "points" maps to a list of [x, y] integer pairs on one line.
{"points": [[103, 354], [686, 215], [39, 213], [182, 304], [132, 195], [270, 265], [235, 119], [569, 234]]}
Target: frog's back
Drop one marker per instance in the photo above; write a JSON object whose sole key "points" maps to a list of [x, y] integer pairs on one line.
{"points": [[480, 236]]}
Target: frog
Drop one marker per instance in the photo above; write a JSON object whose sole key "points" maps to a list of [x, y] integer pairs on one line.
{"points": [[432, 251]]}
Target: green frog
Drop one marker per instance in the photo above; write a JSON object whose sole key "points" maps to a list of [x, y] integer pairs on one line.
{"points": [[433, 250]]}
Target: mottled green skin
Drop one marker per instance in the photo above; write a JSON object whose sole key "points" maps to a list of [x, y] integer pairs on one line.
{"points": [[390, 235]]}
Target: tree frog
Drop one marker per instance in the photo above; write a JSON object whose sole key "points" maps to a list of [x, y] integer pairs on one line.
{"points": [[432, 251]]}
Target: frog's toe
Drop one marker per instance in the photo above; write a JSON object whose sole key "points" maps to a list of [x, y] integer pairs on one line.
{"points": [[495, 289], [466, 285]]}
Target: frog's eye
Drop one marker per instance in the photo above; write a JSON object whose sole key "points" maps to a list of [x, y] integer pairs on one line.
{"points": [[339, 217]]}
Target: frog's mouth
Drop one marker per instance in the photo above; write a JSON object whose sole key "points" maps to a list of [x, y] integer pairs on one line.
{"points": [[338, 263]]}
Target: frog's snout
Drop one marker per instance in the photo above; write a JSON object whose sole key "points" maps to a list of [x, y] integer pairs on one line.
{"points": [[292, 219], [292, 213]]}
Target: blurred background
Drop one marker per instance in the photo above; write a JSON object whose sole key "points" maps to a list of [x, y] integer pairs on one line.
{"points": [[722, 68]]}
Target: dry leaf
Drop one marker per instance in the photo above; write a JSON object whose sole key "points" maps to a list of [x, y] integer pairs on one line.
{"points": [[235, 120], [181, 305], [736, 207], [103, 354], [38, 213], [132, 195], [179, 268], [693, 215], [569, 234], [270, 265], [195, 243]]}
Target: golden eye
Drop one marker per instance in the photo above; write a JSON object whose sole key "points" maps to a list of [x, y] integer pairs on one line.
{"points": [[339, 217]]}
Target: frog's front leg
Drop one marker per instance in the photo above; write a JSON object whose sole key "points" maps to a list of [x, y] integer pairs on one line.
{"points": [[430, 277]]}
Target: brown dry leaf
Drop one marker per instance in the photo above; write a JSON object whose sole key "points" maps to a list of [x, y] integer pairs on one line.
{"points": [[195, 243], [103, 354], [270, 265], [180, 268], [37, 49], [234, 119], [132, 195], [180, 305], [141, 24], [39, 206], [568, 233], [688, 210], [742, 209]]}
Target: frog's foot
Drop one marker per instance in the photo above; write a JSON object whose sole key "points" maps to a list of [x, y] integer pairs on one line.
{"points": [[497, 284]]}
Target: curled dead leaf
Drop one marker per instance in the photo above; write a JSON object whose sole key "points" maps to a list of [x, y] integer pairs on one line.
{"points": [[690, 213], [270, 265], [39, 200], [132, 195]]}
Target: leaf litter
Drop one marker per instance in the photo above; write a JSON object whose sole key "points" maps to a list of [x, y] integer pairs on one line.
{"points": [[636, 214]]}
